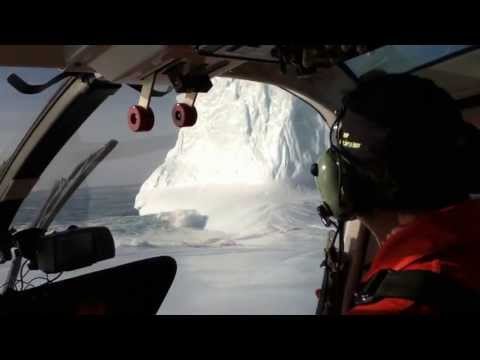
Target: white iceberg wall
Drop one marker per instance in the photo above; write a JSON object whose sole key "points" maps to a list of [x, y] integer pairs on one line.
{"points": [[250, 139], [247, 133]]}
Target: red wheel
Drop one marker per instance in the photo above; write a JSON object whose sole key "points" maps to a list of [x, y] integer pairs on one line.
{"points": [[140, 119], [184, 115]]}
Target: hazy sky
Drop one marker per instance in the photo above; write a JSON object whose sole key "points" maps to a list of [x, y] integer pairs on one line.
{"points": [[136, 155]]}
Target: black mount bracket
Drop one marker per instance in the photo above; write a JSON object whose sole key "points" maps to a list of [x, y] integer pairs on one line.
{"points": [[25, 88], [154, 93], [186, 80], [30, 89], [306, 60]]}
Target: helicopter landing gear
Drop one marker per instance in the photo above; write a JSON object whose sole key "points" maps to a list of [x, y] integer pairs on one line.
{"points": [[140, 116], [140, 119], [184, 113]]}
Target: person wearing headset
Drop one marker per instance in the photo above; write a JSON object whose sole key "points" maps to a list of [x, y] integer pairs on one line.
{"points": [[403, 161]]}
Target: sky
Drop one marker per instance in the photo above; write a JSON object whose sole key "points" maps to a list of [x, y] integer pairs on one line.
{"points": [[131, 162]]}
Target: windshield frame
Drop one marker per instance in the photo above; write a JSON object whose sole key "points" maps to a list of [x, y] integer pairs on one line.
{"points": [[351, 73]]}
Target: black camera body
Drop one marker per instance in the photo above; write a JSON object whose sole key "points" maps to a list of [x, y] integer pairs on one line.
{"points": [[67, 250], [74, 248]]}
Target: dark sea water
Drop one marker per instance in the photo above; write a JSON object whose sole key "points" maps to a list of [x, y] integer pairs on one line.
{"points": [[85, 205], [113, 207], [97, 206]]}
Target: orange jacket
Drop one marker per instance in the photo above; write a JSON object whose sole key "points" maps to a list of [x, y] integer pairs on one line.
{"points": [[445, 241]]}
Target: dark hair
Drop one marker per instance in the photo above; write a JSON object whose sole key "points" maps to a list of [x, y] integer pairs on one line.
{"points": [[425, 152]]}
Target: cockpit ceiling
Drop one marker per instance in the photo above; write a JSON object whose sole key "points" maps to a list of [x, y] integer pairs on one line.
{"points": [[460, 76]]}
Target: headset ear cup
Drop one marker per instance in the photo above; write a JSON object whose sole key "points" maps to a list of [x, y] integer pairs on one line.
{"points": [[348, 191], [361, 191], [353, 193], [327, 181], [336, 185]]}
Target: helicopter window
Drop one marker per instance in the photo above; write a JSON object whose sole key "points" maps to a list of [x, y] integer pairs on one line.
{"points": [[402, 58], [123, 169], [19, 111], [234, 270]]}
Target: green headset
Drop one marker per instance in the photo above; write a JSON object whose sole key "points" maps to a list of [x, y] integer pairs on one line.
{"points": [[418, 153], [347, 188]]}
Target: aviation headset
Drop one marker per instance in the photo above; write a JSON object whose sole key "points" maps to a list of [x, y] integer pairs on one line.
{"points": [[346, 187], [350, 187]]}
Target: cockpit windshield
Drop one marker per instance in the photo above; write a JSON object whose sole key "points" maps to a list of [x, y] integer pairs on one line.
{"points": [[232, 197], [401, 58]]}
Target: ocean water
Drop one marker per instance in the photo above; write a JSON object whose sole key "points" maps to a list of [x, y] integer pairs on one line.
{"points": [[113, 207], [85, 204], [90, 206]]}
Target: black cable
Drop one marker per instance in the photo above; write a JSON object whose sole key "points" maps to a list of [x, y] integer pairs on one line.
{"points": [[327, 281], [21, 281], [335, 130], [45, 278], [29, 283], [23, 275], [56, 278], [332, 129], [331, 266]]}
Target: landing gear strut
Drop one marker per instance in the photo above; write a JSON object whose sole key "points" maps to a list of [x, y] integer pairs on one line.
{"points": [[140, 116]]}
